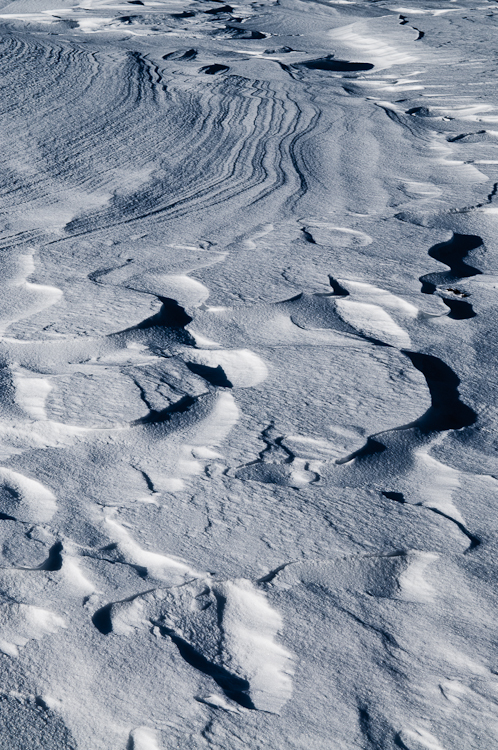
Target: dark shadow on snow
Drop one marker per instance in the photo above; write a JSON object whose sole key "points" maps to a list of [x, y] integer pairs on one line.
{"points": [[234, 687], [447, 411], [331, 64], [453, 254], [214, 375]]}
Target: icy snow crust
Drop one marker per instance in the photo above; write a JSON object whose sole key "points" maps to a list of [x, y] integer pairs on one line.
{"points": [[248, 347]]}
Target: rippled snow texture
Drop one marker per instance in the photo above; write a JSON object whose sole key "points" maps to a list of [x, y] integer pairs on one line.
{"points": [[248, 359]]}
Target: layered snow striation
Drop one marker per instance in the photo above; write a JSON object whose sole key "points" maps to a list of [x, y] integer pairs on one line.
{"points": [[247, 362]]}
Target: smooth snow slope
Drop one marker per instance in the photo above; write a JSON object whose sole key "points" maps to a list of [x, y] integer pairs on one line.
{"points": [[248, 347]]}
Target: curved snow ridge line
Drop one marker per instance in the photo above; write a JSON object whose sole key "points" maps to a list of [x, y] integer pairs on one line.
{"points": [[324, 232], [442, 483], [71, 145], [205, 420], [393, 575], [193, 120], [225, 630], [248, 144], [185, 290], [202, 421], [211, 119], [158, 565], [289, 164], [447, 411], [372, 320]]}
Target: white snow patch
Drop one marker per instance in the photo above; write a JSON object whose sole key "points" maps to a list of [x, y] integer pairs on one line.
{"points": [[127, 616], [373, 321], [242, 367], [21, 299], [75, 577], [31, 394], [441, 482], [373, 295], [250, 626], [144, 738], [216, 426], [413, 586], [218, 701], [20, 623], [202, 341], [374, 49], [183, 289], [204, 452], [418, 739], [25, 498]]}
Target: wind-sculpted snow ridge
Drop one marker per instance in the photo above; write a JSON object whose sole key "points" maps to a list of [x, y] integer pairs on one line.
{"points": [[248, 336], [224, 631]]}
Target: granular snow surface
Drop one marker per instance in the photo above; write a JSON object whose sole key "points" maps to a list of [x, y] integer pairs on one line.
{"points": [[248, 367]]}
